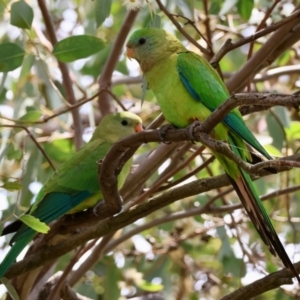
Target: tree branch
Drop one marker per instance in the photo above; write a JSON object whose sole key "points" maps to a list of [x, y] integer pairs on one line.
{"points": [[263, 285], [229, 45], [284, 35], [181, 30]]}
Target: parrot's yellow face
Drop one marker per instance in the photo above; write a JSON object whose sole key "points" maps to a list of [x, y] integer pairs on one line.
{"points": [[150, 45], [118, 125], [143, 43]]}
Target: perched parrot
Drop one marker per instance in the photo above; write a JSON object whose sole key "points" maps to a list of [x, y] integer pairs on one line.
{"points": [[74, 186], [187, 88]]}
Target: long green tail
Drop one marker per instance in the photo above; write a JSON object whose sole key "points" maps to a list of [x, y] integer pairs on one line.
{"points": [[53, 206], [13, 253], [258, 215]]}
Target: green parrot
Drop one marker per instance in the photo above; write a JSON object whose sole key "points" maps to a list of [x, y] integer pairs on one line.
{"points": [[187, 88], [74, 186]]}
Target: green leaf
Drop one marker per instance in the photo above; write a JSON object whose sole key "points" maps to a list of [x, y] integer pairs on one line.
{"points": [[21, 15], [227, 6], [31, 117], [3, 94], [25, 71], [245, 8], [185, 8], [10, 288], [13, 153], [95, 64], [34, 223], [150, 287], [11, 57], [230, 263], [110, 281], [12, 186], [102, 10], [233, 265], [275, 132], [225, 250], [293, 132], [277, 124], [273, 151], [155, 21], [59, 150], [76, 47], [283, 115], [215, 7]]}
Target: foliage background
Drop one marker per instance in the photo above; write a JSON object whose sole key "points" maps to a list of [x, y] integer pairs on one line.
{"points": [[175, 252]]}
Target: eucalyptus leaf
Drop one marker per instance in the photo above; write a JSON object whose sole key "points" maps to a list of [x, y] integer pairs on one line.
{"points": [[21, 15], [11, 57], [13, 153], [77, 47], [31, 117], [277, 121], [245, 8], [102, 10], [34, 223], [293, 132], [150, 287], [227, 6], [185, 8], [155, 21], [10, 288], [12, 186]]}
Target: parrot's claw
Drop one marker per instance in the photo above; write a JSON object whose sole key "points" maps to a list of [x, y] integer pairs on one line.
{"points": [[162, 132], [192, 128], [95, 211]]}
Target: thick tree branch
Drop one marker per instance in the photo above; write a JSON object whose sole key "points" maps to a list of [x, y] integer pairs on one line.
{"points": [[263, 285], [114, 223], [110, 171], [48, 253]]}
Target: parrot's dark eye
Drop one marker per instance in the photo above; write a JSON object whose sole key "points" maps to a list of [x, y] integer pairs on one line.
{"points": [[124, 122], [142, 41]]}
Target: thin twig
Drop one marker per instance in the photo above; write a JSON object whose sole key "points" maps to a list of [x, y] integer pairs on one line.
{"points": [[181, 30], [61, 280], [67, 82], [229, 45], [34, 140]]}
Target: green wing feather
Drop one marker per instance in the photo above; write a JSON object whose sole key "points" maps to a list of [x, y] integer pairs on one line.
{"points": [[205, 86], [211, 91], [74, 186], [187, 88], [77, 173]]}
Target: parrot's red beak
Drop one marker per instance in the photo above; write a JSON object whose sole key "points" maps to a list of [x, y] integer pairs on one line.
{"points": [[138, 127], [130, 52]]}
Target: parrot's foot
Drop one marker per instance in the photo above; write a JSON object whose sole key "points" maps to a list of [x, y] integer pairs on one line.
{"points": [[192, 128], [103, 210], [162, 132], [95, 211], [99, 163]]}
